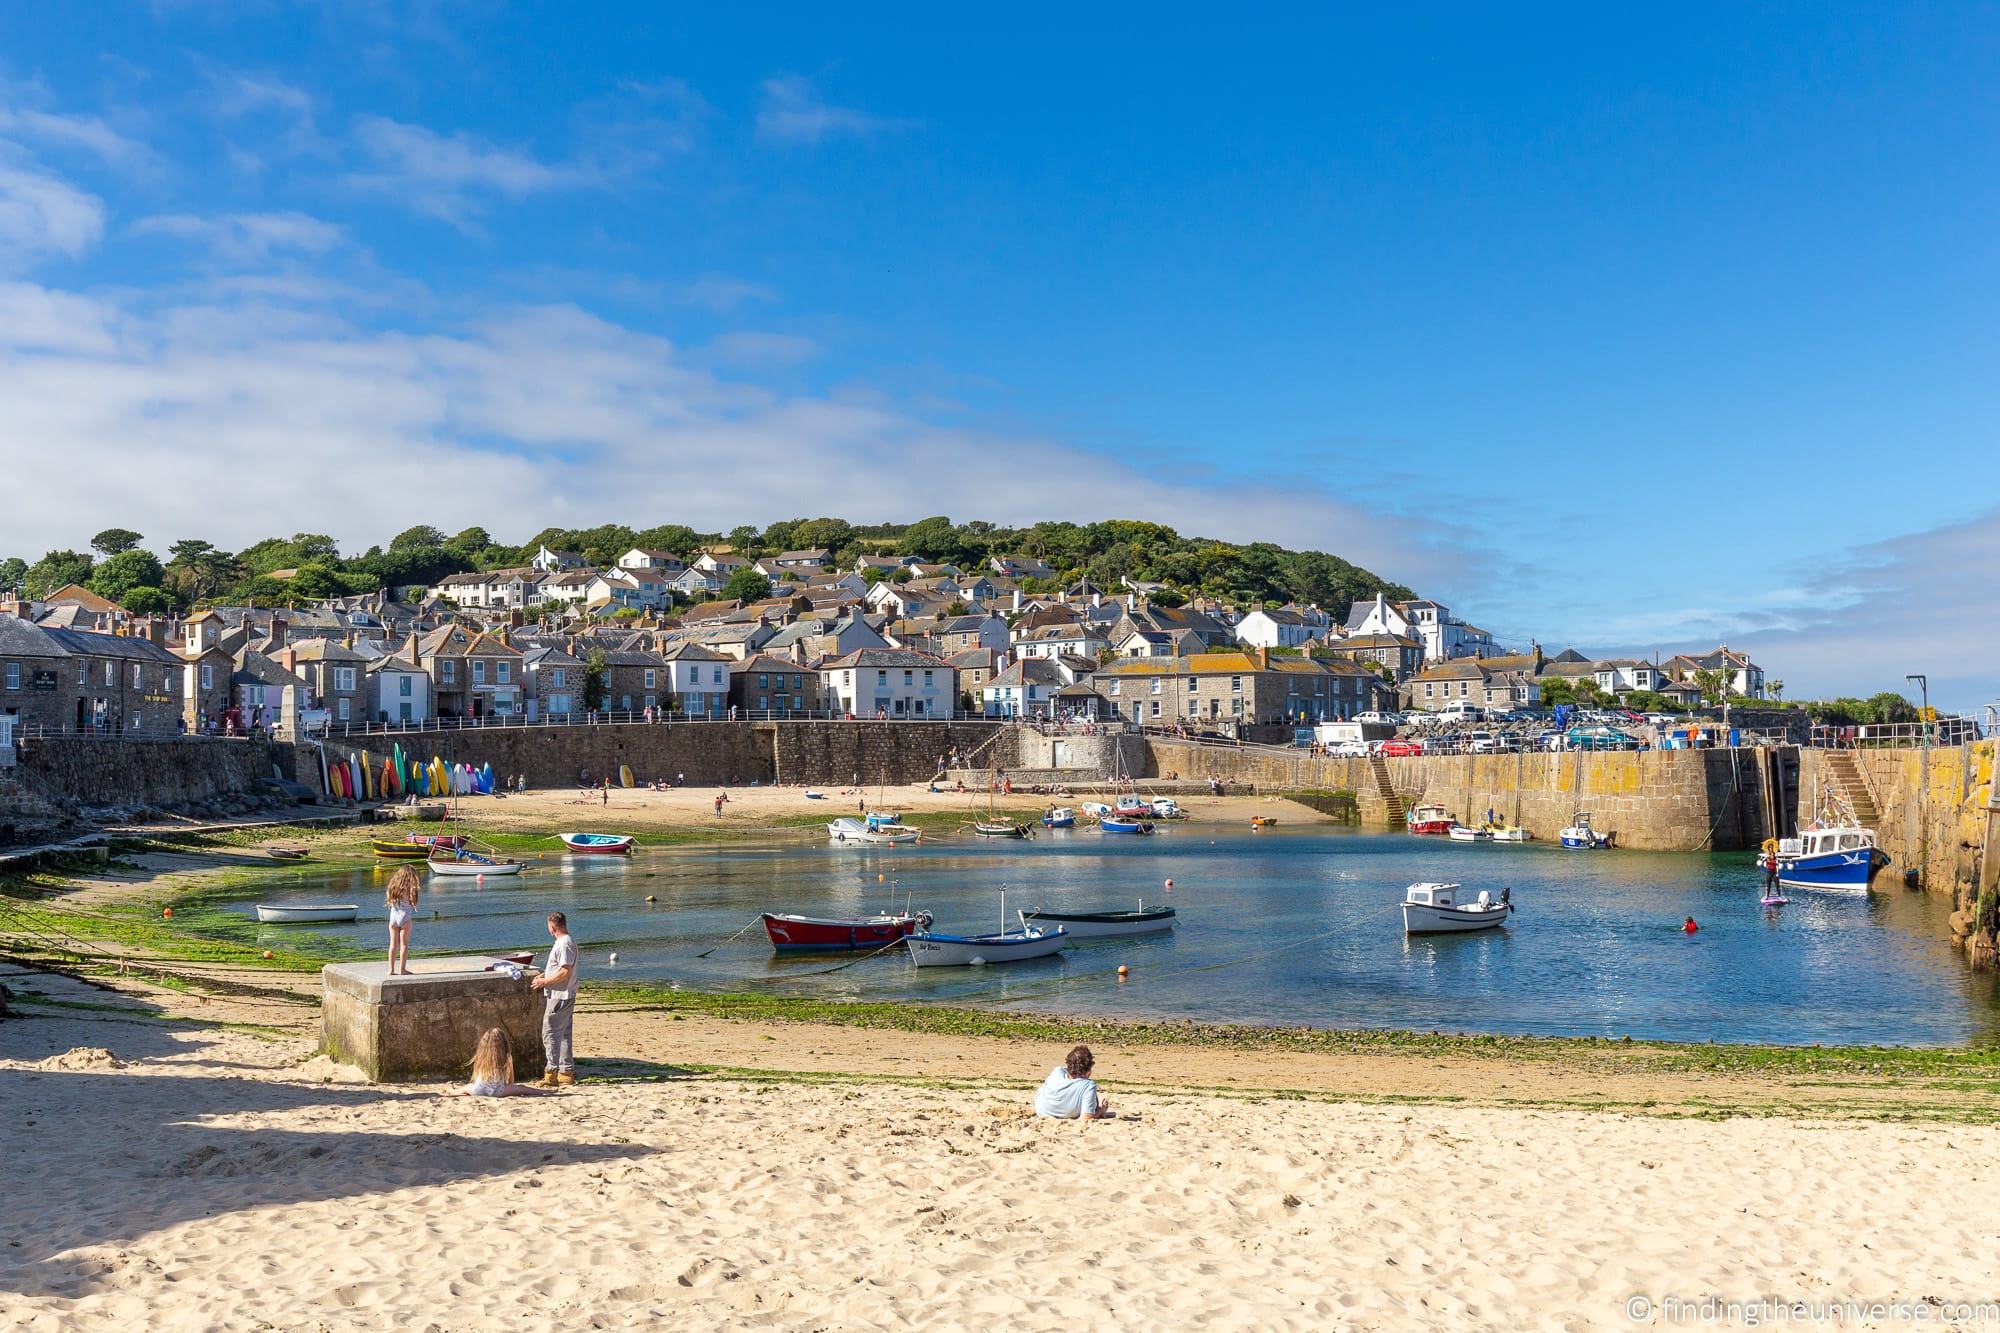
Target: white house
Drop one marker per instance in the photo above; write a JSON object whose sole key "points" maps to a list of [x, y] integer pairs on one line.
{"points": [[642, 589], [399, 690], [1622, 675], [890, 683], [698, 584], [659, 562], [1078, 640], [1028, 688], [550, 562], [1274, 627], [1443, 635], [724, 565], [699, 679]]}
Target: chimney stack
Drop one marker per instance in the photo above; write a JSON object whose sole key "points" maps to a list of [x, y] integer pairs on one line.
{"points": [[1263, 656], [277, 632]]}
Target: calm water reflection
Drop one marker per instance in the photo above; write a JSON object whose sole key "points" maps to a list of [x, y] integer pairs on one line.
{"points": [[1282, 926]]}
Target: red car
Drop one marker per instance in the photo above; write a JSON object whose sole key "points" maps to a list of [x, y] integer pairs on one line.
{"points": [[1399, 748]]}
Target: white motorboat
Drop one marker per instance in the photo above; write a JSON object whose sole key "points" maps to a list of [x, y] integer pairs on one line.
{"points": [[1007, 946], [1580, 836], [1101, 925], [1460, 833], [1508, 832], [848, 829], [293, 914], [1443, 909]]}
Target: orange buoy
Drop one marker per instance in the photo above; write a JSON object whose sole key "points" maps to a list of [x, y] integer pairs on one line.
{"points": [[267, 953], [166, 911], [1122, 970]]}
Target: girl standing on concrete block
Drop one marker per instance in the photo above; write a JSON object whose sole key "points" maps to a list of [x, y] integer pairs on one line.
{"points": [[404, 889]]}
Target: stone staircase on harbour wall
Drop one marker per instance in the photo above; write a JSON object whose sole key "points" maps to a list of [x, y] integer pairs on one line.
{"points": [[1396, 805], [1851, 788]]}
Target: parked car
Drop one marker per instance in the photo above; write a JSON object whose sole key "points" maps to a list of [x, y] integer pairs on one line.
{"points": [[1402, 746], [1348, 750], [1386, 719], [1480, 742], [1462, 710]]}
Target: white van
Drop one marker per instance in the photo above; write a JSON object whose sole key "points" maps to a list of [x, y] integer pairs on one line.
{"points": [[1462, 710]]}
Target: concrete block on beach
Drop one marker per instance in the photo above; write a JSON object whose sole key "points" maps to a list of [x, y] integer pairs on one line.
{"points": [[424, 1026]]}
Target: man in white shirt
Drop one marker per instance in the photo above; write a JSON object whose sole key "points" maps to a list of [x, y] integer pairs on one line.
{"points": [[1069, 1093], [558, 982]]}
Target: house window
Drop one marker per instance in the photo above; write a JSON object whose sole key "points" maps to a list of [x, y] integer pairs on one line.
{"points": [[649, 678], [340, 709], [110, 673], [207, 677], [1428, 690], [763, 682], [798, 682], [1156, 690], [448, 672], [14, 675], [343, 678], [1236, 685], [403, 686], [135, 675], [558, 678], [881, 678], [503, 671], [1192, 683], [1114, 689], [716, 678], [478, 673], [1156, 708], [83, 673]]}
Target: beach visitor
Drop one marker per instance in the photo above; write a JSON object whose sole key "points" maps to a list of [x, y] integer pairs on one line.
{"points": [[558, 983], [1688, 927], [401, 899], [1068, 1093], [1770, 872], [493, 1068]]}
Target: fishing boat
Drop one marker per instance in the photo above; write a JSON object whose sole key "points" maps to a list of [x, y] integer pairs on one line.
{"points": [[848, 829], [1120, 824], [1133, 807], [286, 853], [1101, 925], [1166, 807], [399, 851], [1000, 828], [790, 932], [1442, 909], [1841, 858], [1096, 809], [1429, 818], [1007, 946], [1460, 833], [1059, 817], [461, 862], [1580, 836], [452, 840], [1508, 832], [597, 844], [297, 914]]}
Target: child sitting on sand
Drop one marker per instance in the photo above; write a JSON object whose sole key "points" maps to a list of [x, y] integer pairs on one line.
{"points": [[1069, 1094], [493, 1068], [404, 889]]}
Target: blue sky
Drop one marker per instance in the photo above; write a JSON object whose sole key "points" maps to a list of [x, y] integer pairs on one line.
{"points": [[1630, 331]]}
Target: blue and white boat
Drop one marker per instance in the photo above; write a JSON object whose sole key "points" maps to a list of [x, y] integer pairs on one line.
{"points": [[1120, 824], [1580, 836], [1060, 816], [1843, 859]]}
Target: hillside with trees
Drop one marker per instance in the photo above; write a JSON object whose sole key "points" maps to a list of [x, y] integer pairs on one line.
{"points": [[308, 566]]}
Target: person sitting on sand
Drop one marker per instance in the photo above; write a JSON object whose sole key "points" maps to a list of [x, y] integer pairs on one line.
{"points": [[1069, 1094], [493, 1068]]}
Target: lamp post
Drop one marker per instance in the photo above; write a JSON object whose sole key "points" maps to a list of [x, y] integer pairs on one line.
{"points": [[1924, 798]]}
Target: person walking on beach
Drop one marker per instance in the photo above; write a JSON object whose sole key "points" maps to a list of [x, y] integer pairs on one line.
{"points": [[558, 983], [401, 900]]}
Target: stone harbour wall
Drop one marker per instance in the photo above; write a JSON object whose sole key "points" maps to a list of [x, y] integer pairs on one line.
{"points": [[188, 775], [878, 752]]}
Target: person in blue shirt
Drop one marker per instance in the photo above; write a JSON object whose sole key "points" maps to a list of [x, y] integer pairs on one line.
{"points": [[1069, 1094]]}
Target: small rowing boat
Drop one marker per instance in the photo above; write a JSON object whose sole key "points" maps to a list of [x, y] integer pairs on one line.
{"points": [[1461, 833], [1121, 824], [285, 853], [436, 839], [447, 862], [999, 828], [790, 932], [399, 851], [1007, 946], [1262, 821], [298, 914], [1101, 925], [598, 844]]}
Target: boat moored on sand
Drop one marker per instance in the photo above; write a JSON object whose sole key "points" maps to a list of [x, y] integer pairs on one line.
{"points": [[598, 844], [875, 829], [298, 914], [790, 932]]}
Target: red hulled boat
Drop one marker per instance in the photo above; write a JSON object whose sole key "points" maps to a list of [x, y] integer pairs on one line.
{"points": [[789, 931], [452, 841], [1429, 818]]}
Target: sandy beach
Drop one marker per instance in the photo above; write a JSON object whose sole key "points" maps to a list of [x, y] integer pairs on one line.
{"points": [[179, 1174]]}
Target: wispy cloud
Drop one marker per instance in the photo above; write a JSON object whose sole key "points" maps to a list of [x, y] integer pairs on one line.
{"points": [[792, 112], [90, 134], [446, 175], [42, 214], [756, 349], [723, 294], [247, 237]]}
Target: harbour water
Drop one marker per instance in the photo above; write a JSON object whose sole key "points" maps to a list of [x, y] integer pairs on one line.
{"points": [[1281, 926]]}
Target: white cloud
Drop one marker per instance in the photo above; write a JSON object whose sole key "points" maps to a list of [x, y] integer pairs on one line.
{"points": [[792, 112], [752, 348], [538, 415], [247, 237], [40, 320], [723, 294], [42, 215], [442, 174], [88, 133]]}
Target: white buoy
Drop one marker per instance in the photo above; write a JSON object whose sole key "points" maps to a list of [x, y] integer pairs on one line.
{"points": [[614, 957]]}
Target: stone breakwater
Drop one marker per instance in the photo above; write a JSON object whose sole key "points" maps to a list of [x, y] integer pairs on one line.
{"points": [[71, 781]]}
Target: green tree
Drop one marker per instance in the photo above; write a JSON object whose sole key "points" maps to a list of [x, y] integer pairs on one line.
{"points": [[675, 537], [1775, 688], [931, 538], [12, 570], [53, 570], [421, 537], [745, 538], [196, 570], [115, 541], [129, 569], [596, 678], [747, 584], [1713, 683], [144, 601]]}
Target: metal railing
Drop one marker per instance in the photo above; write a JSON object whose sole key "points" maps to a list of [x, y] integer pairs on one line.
{"points": [[625, 717], [37, 731], [1897, 735]]}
